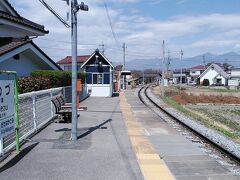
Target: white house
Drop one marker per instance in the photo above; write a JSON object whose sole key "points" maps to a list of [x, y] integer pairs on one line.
{"points": [[235, 77], [99, 75], [66, 63], [24, 57], [215, 74], [196, 71], [17, 52]]}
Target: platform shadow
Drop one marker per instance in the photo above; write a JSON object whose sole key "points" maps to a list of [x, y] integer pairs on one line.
{"points": [[91, 129], [18, 157]]}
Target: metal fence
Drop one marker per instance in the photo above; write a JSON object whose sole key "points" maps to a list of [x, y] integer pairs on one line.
{"points": [[36, 110]]}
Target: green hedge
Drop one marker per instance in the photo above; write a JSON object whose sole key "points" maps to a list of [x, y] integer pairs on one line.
{"points": [[29, 84], [58, 78]]}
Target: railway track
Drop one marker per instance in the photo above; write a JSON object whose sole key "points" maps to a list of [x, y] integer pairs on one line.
{"points": [[207, 140]]}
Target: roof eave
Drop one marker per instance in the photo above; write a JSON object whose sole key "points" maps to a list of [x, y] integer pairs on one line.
{"points": [[22, 25], [10, 8], [54, 63]]}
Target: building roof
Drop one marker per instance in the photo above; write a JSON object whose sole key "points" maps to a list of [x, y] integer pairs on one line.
{"points": [[12, 8], [218, 69], [12, 45], [236, 68], [22, 21], [17, 44], [68, 59], [199, 67], [104, 57]]}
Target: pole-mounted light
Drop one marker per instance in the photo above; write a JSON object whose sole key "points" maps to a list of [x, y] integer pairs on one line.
{"points": [[75, 7], [83, 7]]}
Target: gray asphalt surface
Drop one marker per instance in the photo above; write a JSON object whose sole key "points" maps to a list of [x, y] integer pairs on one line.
{"points": [[103, 150]]}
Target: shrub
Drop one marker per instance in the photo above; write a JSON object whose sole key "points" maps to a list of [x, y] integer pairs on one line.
{"points": [[198, 81], [205, 82], [28, 84], [58, 78]]}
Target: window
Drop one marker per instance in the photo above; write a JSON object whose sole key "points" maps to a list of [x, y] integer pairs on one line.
{"points": [[97, 79], [67, 68]]}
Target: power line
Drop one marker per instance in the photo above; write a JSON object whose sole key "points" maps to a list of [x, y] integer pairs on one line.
{"points": [[55, 13], [110, 23], [66, 42]]}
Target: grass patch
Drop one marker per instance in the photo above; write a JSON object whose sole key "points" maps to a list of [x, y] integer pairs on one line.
{"points": [[208, 121], [236, 112], [218, 89], [227, 133]]}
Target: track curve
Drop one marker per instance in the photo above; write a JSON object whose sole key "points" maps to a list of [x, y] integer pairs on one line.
{"points": [[223, 150]]}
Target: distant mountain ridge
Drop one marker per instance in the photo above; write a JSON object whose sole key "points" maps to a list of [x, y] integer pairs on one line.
{"points": [[140, 64]]}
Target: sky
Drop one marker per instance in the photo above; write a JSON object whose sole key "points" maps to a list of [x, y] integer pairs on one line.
{"points": [[195, 26]]}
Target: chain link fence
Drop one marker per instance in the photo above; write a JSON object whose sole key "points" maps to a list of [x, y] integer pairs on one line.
{"points": [[36, 110]]}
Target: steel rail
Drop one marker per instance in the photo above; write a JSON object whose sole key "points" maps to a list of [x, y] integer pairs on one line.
{"points": [[226, 152]]}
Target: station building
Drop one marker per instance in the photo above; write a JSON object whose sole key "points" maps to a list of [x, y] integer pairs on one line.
{"points": [[99, 75]]}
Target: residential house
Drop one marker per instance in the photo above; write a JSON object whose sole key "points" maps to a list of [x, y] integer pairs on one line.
{"points": [[15, 26], [179, 76], [24, 57], [99, 75], [196, 71], [66, 63], [215, 75], [17, 51], [234, 80]]}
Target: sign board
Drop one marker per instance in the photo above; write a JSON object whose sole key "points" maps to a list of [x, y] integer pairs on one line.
{"points": [[7, 108]]}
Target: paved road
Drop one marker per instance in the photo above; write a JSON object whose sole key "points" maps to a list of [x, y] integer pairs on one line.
{"points": [[103, 150]]}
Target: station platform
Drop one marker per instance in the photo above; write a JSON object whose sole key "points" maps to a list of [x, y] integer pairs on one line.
{"points": [[183, 158], [103, 150], [118, 139]]}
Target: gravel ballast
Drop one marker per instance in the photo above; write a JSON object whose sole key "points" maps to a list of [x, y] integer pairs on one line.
{"points": [[211, 134]]}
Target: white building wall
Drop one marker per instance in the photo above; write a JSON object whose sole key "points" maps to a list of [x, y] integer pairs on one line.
{"points": [[233, 82], [99, 90], [195, 73], [68, 67], [210, 75], [222, 78], [235, 73]]}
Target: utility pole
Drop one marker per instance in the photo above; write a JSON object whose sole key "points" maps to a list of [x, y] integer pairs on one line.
{"points": [[124, 58], [181, 80], [204, 60], [143, 78], [75, 7], [168, 61], [163, 60], [124, 55], [103, 48]]}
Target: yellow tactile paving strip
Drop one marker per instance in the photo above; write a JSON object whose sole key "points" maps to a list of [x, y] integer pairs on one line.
{"points": [[152, 166]]}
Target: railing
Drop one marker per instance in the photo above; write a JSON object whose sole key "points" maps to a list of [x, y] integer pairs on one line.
{"points": [[35, 111]]}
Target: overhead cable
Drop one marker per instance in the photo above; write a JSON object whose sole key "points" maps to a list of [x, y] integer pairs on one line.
{"points": [[110, 23], [55, 13]]}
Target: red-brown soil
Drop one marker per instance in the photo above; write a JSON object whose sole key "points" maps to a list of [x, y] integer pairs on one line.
{"points": [[184, 98]]}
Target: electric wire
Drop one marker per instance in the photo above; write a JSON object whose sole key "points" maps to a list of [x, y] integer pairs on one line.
{"points": [[55, 13], [110, 23]]}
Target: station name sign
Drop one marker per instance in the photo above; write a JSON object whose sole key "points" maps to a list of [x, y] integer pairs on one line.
{"points": [[7, 108]]}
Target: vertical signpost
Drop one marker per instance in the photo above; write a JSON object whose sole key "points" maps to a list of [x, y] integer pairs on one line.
{"points": [[8, 107]]}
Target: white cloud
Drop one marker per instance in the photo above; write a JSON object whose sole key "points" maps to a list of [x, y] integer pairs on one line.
{"points": [[142, 34]]}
